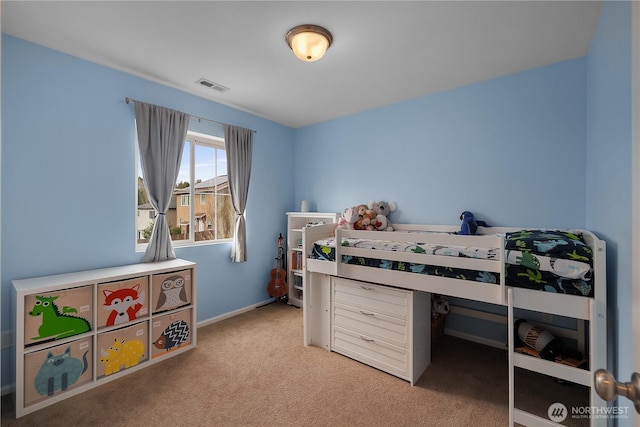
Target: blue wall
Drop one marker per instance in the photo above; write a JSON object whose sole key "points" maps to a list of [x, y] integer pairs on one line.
{"points": [[510, 149], [549, 147], [68, 182], [609, 161]]}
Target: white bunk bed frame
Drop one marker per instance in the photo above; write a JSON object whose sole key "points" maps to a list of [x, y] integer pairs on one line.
{"points": [[592, 310]]}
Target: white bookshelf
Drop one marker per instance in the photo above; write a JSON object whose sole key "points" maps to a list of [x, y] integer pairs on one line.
{"points": [[296, 222]]}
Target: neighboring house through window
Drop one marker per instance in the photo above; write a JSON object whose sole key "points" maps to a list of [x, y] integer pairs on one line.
{"points": [[203, 179]]}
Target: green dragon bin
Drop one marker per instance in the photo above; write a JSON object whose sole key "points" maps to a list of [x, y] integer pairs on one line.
{"points": [[56, 324]]}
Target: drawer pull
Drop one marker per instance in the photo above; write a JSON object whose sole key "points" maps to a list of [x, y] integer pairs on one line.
{"points": [[366, 288], [366, 313], [367, 339]]}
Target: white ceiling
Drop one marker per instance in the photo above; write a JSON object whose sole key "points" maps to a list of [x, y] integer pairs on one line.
{"points": [[383, 52]]}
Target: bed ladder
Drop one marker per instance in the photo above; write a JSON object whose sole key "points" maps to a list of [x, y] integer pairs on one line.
{"points": [[588, 310]]}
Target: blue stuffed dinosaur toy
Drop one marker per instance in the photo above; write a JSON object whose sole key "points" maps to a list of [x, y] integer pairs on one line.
{"points": [[469, 224]]}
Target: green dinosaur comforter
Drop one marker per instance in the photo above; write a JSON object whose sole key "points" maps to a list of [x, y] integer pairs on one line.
{"points": [[549, 260]]}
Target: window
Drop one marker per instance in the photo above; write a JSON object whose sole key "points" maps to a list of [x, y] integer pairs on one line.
{"points": [[203, 179]]}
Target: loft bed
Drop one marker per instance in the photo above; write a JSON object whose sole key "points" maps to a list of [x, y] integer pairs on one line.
{"points": [[566, 277], [477, 267]]}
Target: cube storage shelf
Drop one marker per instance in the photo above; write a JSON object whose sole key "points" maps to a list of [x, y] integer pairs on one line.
{"points": [[79, 330]]}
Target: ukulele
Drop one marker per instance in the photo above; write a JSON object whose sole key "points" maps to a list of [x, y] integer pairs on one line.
{"points": [[277, 287]]}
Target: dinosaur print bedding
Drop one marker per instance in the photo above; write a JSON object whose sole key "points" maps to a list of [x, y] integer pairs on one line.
{"points": [[549, 260]]}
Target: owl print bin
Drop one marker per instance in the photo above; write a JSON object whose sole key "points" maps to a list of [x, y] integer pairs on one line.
{"points": [[170, 290]]}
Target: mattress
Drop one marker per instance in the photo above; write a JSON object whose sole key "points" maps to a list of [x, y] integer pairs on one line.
{"points": [[550, 260]]}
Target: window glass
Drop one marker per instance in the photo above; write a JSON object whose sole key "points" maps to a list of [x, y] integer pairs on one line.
{"points": [[203, 179]]}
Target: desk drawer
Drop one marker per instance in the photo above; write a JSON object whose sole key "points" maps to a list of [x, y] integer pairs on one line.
{"points": [[375, 325], [373, 298], [378, 354]]}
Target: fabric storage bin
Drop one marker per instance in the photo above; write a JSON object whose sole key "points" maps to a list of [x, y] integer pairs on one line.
{"points": [[171, 332], [49, 316], [122, 349], [122, 301], [55, 370], [171, 290]]}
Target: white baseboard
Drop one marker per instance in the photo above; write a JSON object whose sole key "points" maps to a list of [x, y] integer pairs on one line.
{"points": [[8, 389], [477, 314], [476, 339], [233, 313]]}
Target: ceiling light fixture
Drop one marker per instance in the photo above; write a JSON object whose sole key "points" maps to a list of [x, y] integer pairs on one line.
{"points": [[309, 42]]}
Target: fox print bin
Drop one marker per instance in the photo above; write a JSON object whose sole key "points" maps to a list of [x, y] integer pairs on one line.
{"points": [[122, 301]]}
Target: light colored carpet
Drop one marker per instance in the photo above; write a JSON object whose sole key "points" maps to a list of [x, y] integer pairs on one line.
{"points": [[253, 370]]}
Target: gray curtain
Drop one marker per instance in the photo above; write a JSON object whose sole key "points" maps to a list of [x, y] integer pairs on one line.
{"points": [[161, 135], [239, 145]]}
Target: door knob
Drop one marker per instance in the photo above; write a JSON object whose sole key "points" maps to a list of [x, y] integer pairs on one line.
{"points": [[607, 387]]}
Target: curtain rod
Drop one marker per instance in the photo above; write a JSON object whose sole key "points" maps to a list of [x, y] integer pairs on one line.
{"points": [[128, 100]]}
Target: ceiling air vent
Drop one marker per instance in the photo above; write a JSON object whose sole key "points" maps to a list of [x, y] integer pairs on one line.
{"points": [[212, 85]]}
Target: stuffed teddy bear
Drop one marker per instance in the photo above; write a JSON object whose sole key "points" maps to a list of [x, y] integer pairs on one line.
{"points": [[366, 220], [347, 219], [382, 210], [470, 224], [381, 223], [361, 210], [370, 218]]}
